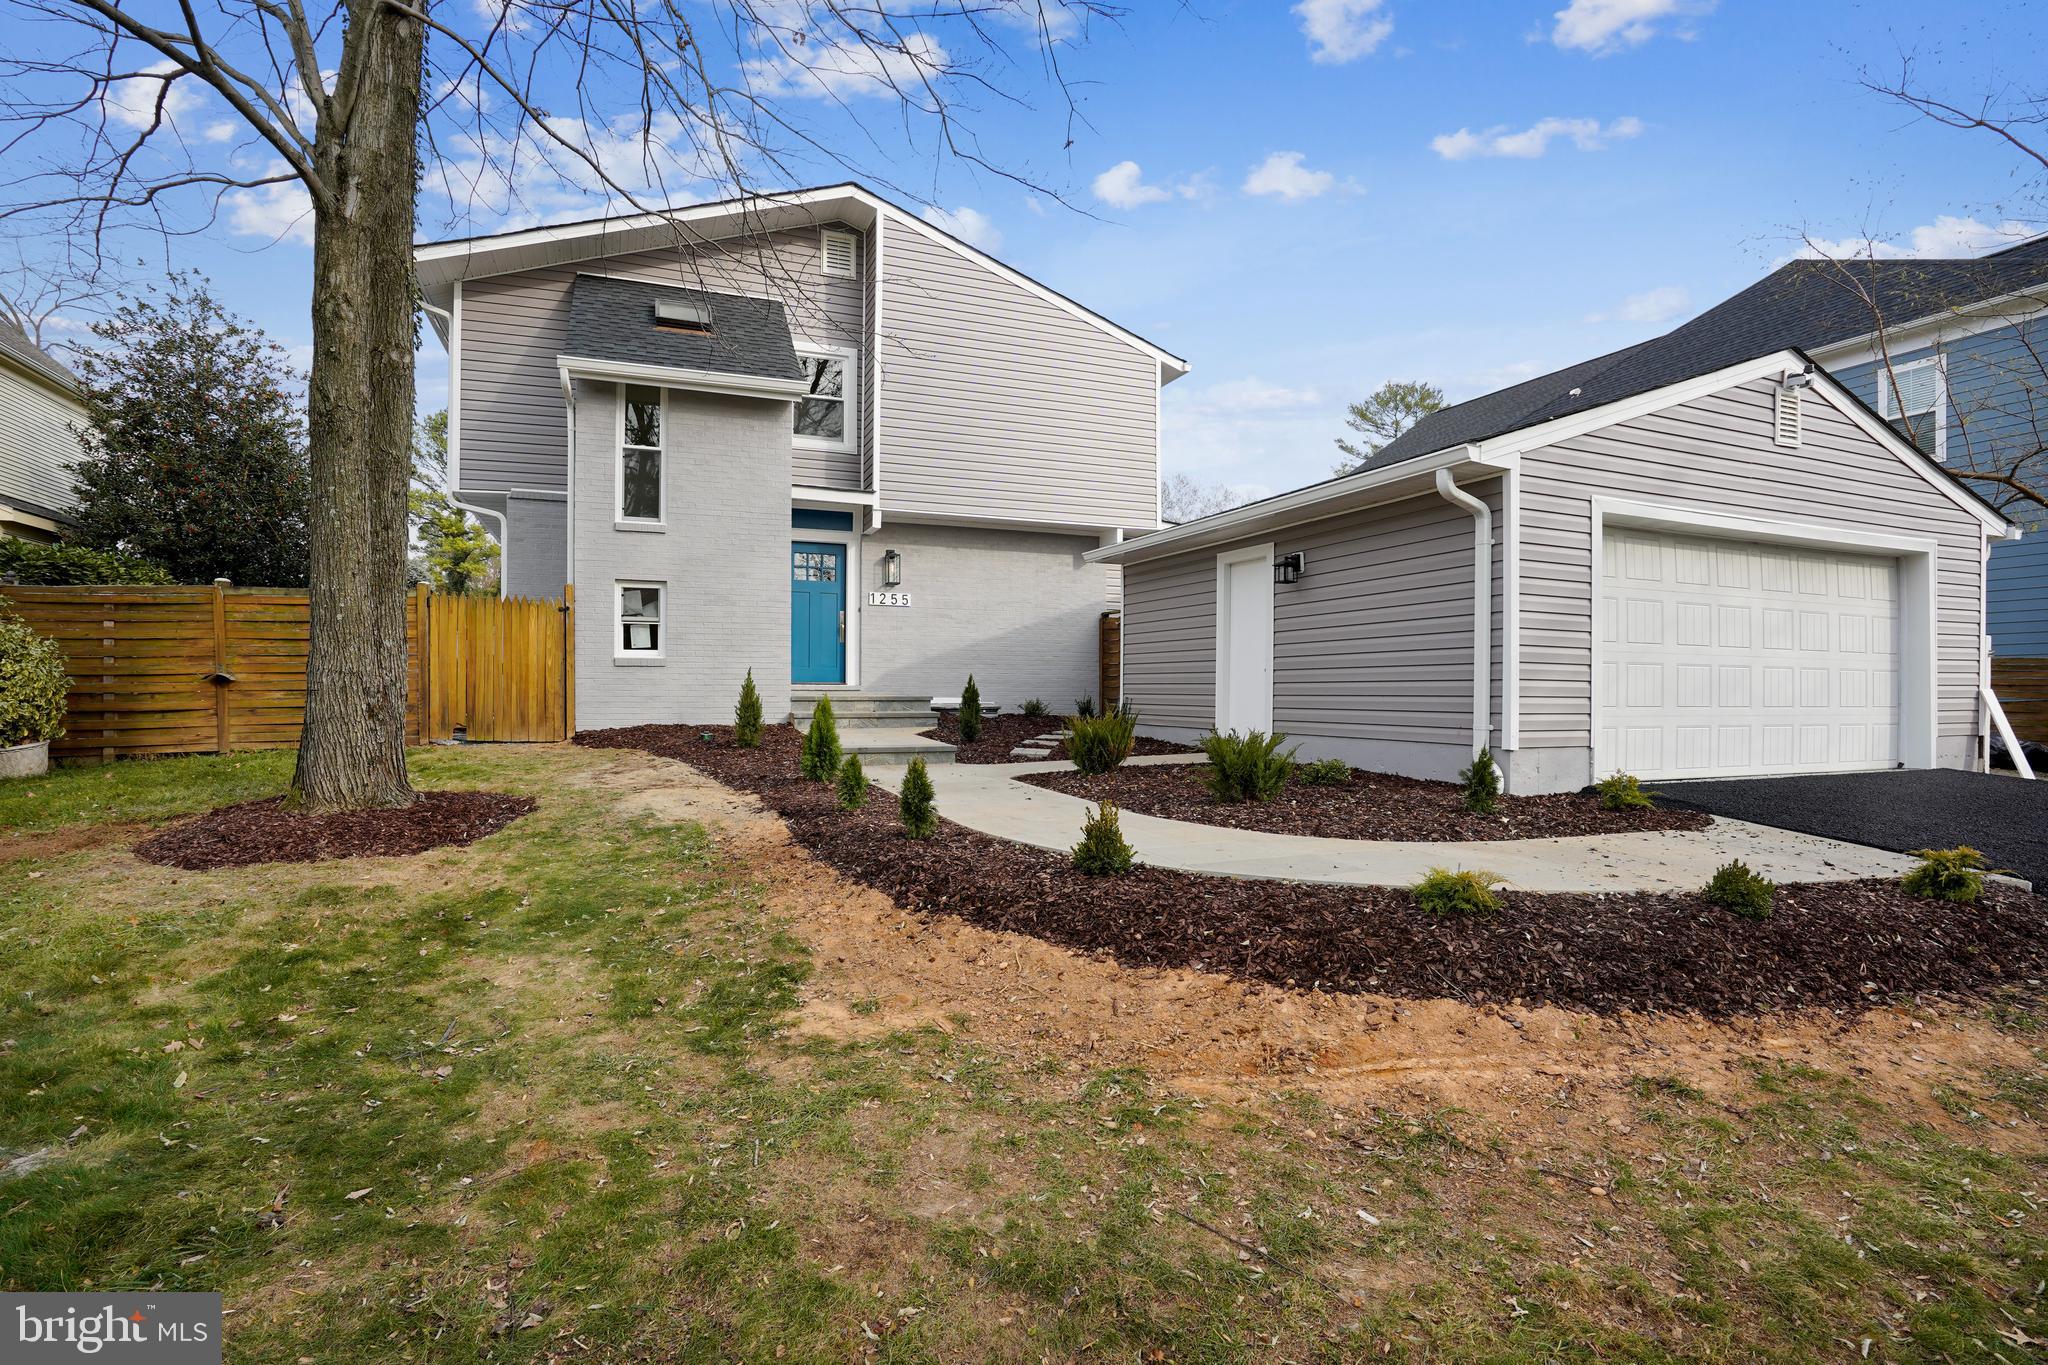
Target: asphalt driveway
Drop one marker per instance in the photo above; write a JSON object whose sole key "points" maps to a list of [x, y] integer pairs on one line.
{"points": [[2002, 817]]}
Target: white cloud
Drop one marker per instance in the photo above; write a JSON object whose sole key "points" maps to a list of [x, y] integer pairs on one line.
{"points": [[1341, 31], [1947, 235], [1661, 304], [1123, 186], [1047, 21], [1587, 134], [280, 212], [1283, 176], [970, 225], [1605, 26], [517, 182], [845, 70], [132, 103]]}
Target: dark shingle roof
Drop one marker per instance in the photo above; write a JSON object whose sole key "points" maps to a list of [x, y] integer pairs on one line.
{"points": [[613, 319], [15, 343], [1803, 304]]}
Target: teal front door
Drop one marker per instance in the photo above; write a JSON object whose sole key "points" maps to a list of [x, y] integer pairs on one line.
{"points": [[817, 612]]}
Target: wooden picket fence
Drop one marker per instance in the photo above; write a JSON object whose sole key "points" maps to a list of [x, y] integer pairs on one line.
{"points": [[217, 669], [2022, 688]]}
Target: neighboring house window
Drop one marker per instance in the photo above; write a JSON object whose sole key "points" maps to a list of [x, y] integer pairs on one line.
{"points": [[641, 475], [838, 253], [639, 630], [825, 417], [1914, 398]]}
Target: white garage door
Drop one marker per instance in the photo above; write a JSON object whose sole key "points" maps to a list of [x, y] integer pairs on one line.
{"points": [[1720, 658]]}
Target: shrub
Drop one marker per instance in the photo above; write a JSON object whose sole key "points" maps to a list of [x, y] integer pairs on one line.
{"points": [[1034, 707], [820, 757], [32, 685], [1946, 874], [1102, 851], [970, 711], [746, 717], [1740, 891], [1097, 744], [1444, 892], [1084, 707], [1482, 783], [1623, 792], [60, 566], [1324, 772], [1247, 767], [918, 805], [853, 784]]}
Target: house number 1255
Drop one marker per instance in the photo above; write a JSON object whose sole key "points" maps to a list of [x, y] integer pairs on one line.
{"points": [[889, 599]]}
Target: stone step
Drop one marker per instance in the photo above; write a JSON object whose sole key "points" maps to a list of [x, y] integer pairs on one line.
{"points": [[867, 708]]}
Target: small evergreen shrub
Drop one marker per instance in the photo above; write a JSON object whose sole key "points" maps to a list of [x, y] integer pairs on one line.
{"points": [[1946, 874], [1247, 767], [1097, 744], [853, 784], [1102, 851], [918, 806], [1740, 891], [1084, 707], [970, 711], [1034, 707], [1623, 792], [1482, 783], [32, 685], [1324, 772], [746, 717], [1444, 892], [820, 757], [60, 566]]}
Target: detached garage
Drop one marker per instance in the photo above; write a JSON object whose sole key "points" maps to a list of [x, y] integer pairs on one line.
{"points": [[1631, 565]]}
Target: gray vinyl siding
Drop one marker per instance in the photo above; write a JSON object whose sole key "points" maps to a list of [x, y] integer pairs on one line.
{"points": [[38, 443], [997, 403], [1716, 454], [1373, 646], [513, 430]]}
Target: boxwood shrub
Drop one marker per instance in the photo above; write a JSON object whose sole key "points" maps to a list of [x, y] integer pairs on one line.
{"points": [[32, 684]]}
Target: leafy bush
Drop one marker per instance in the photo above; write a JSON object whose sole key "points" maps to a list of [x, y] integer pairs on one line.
{"points": [[746, 717], [1324, 772], [1097, 744], [1740, 891], [1034, 707], [61, 566], [1084, 707], [853, 784], [1482, 783], [1102, 851], [1444, 892], [820, 757], [32, 684], [1247, 767], [970, 711], [1623, 792], [918, 806], [1947, 874]]}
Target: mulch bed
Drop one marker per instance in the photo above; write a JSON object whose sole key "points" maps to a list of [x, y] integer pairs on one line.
{"points": [[267, 832], [1000, 734], [1369, 806], [1843, 946]]}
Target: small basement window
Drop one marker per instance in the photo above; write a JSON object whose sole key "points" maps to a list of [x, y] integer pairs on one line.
{"points": [[1913, 398], [639, 631], [683, 315]]}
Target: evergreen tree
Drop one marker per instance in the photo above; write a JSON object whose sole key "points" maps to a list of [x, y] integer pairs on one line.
{"points": [[746, 717], [820, 757], [853, 783], [918, 805], [1103, 851], [970, 711]]}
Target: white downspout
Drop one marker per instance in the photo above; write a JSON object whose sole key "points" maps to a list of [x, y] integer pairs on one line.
{"points": [[1482, 603]]}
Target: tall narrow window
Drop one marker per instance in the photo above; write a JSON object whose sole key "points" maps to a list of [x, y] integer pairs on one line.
{"points": [[639, 630], [1913, 398], [824, 415], [640, 456]]}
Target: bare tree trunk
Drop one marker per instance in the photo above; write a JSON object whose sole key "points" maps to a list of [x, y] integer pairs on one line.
{"points": [[359, 413]]}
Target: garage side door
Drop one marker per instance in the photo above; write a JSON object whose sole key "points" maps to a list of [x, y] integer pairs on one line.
{"points": [[1722, 658]]}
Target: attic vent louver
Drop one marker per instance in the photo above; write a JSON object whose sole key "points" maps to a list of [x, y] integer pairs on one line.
{"points": [[1786, 416], [680, 315], [837, 253]]}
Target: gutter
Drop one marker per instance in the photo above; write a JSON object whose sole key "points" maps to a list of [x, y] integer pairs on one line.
{"points": [[1482, 602]]}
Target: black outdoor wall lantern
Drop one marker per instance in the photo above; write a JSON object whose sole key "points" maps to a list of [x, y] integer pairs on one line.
{"points": [[892, 569], [1287, 568]]}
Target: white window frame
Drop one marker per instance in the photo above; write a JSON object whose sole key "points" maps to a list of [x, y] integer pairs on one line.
{"points": [[849, 401], [620, 520], [1888, 377], [852, 240], [619, 650]]}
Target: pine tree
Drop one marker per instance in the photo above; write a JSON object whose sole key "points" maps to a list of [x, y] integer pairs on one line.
{"points": [[1482, 784], [853, 784], [820, 758], [970, 711], [1103, 851], [918, 805], [746, 717]]}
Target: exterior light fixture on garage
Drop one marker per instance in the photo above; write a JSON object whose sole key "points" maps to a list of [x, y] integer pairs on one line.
{"points": [[1288, 568]]}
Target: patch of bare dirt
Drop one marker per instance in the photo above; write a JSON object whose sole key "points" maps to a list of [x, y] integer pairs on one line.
{"points": [[67, 839]]}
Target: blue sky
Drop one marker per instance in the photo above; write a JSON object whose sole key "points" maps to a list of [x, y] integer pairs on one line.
{"points": [[1307, 200]]}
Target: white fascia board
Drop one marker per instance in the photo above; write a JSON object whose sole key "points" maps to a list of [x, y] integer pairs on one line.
{"points": [[675, 377], [1987, 315], [996, 523], [1844, 402], [829, 497]]}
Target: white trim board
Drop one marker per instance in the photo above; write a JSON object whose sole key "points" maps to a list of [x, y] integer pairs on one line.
{"points": [[572, 367], [1228, 643]]}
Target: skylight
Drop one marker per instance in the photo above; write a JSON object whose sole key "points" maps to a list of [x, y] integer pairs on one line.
{"points": [[681, 315]]}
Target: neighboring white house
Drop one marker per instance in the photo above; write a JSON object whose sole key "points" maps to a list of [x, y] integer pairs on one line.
{"points": [[39, 417], [806, 434], [1668, 560]]}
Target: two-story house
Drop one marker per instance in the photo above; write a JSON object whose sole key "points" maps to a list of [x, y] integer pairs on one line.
{"points": [[39, 418], [808, 435]]}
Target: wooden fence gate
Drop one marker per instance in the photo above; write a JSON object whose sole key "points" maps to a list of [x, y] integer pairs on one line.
{"points": [[500, 668]]}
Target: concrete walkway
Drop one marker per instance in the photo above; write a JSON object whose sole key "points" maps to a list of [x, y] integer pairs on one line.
{"points": [[986, 797]]}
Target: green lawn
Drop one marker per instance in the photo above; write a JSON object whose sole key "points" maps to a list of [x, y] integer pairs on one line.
{"points": [[536, 1099]]}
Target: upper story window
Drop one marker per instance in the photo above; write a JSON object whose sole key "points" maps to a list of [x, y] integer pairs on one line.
{"points": [[642, 458], [825, 417], [1913, 398], [838, 253]]}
